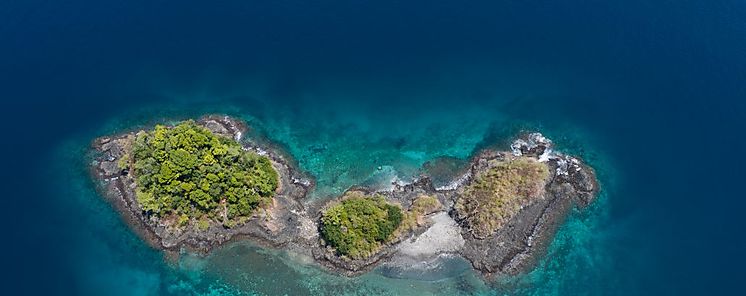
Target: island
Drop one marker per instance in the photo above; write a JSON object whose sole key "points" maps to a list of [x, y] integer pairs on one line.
{"points": [[195, 185]]}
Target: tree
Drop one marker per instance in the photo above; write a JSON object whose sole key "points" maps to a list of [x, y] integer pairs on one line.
{"points": [[359, 224], [188, 170]]}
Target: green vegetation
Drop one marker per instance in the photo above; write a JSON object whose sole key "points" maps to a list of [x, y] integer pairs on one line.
{"points": [[359, 224], [424, 205], [415, 217], [203, 224], [124, 162], [190, 173], [498, 193]]}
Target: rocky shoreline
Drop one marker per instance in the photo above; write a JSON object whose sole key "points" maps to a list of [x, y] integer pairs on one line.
{"points": [[515, 246], [292, 221]]}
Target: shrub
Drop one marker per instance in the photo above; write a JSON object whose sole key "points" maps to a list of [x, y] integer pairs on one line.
{"points": [[203, 224], [183, 220]]}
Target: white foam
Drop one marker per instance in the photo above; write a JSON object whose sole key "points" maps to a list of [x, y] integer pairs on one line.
{"points": [[516, 147], [561, 167], [544, 157], [304, 182], [454, 184], [261, 151]]}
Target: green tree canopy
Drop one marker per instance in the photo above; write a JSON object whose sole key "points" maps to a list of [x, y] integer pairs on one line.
{"points": [[186, 169], [359, 224]]}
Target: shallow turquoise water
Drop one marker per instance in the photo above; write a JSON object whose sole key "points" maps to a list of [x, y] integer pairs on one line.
{"points": [[339, 151], [650, 93]]}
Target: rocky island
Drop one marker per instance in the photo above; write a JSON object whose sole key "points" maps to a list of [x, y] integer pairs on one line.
{"points": [[196, 185]]}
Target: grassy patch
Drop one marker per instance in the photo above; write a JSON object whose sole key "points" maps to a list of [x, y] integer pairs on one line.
{"points": [[424, 205], [497, 194], [415, 217]]}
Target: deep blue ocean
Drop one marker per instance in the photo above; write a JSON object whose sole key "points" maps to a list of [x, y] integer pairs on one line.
{"points": [[651, 93]]}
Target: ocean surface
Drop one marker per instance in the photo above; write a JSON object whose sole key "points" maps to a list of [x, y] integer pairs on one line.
{"points": [[650, 93]]}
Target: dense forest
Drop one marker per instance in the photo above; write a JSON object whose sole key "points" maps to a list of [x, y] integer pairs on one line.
{"points": [[188, 172], [359, 224]]}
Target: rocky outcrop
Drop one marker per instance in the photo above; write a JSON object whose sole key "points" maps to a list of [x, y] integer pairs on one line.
{"points": [[292, 222], [515, 247]]}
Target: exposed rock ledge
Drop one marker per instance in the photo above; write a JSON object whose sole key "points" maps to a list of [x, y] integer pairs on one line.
{"points": [[292, 222]]}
